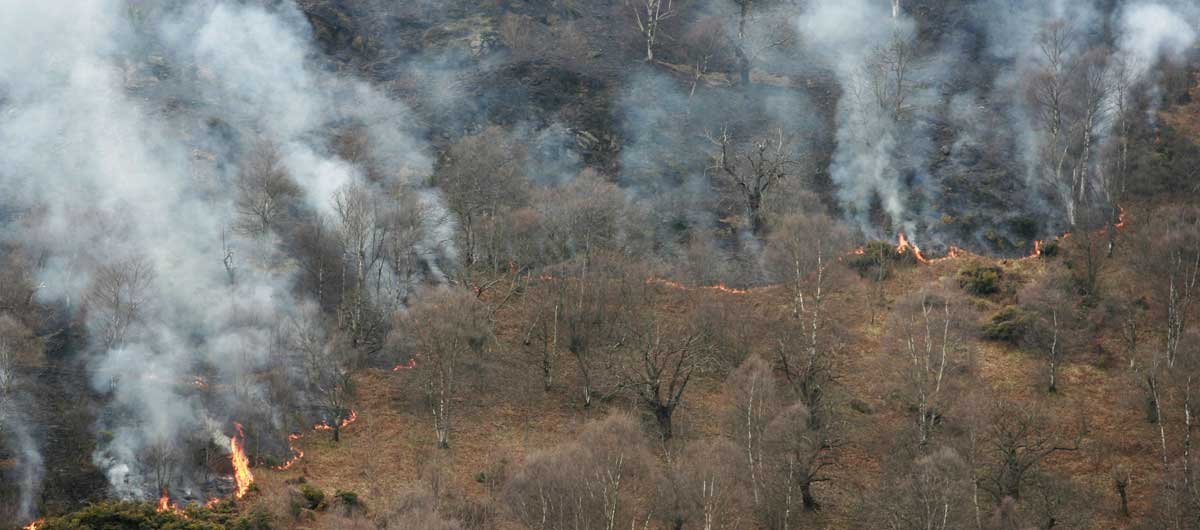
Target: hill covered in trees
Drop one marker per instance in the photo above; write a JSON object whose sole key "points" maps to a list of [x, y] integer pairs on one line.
{"points": [[665, 264]]}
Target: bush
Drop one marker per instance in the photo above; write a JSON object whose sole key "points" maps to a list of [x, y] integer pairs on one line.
{"points": [[348, 498], [314, 498], [259, 518], [131, 516], [980, 280], [1008, 325], [867, 262]]}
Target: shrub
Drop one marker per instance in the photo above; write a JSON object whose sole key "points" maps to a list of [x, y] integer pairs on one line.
{"points": [[131, 516], [1049, 248], [866, 263], [314, 498], [259, 518], [979, 279], [348, 498], [1008, 325]]}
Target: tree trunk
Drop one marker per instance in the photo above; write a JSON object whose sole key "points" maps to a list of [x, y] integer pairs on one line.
{"points": [[806, 497], [1124, 499], [663, 415]]}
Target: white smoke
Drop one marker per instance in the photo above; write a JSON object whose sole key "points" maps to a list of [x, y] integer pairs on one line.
{"points": [[111, 162]]}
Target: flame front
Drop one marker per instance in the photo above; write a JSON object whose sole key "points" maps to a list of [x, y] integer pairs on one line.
{"points": [[35, 525], [325, 426], [905, 246], [297, 454], [241, 464]]}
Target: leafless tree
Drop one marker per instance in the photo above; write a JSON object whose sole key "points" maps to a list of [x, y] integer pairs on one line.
{"points": [[1051, 331], [754, 170], [1168, 255], [163, 458], [804, 253], [329, 366], [798, 457], [264, 190], [889, 70], [754, 402], [1018, 439], [602, 481], [659, 365], [483, 175], [117, 299], [649, 15], [928, 494], [363, 234], [929, 330], [709, 484], [442, 332]]}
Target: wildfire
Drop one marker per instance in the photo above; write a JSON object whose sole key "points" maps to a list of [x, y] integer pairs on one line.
{"points": [[165, 504], [241, 464], [35, 525], [200, 383], [905, 246], [325, 426], [676, 285], [1120, 218], [412, 363], [297, 454]]}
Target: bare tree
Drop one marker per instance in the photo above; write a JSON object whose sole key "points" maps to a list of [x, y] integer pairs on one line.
{"points": [[804, 253], [264, 190], [444, 331], [649, 15], [602, 481], [754, 402], [928, 328], [329, 366], [890, 71], [163, 457], [363, 232], [799, 455], [1050, 333], [709, 485], [660, 365], [483, 175], [928, 494], [1168, 255], [1018, 440], [754, 170], [117, 298]]}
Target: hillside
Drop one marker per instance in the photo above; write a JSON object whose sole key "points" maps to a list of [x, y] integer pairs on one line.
{"points": [[583, 265]]}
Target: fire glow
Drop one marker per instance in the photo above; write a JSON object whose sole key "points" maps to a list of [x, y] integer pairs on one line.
{"points": [[720, 287], [35, 525], [241, 464]]}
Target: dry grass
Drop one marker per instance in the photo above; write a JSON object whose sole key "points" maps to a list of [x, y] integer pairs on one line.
{"points": [[390, 445]]}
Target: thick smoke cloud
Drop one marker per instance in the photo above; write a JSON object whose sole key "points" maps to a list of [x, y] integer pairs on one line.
{"points": [[119, 145]]}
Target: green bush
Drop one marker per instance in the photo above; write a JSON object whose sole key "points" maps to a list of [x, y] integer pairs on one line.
{"points": [[314, 498], [979, 279], [348, 498], [1008, 325], [867, 262], [259, 518], [131, 516]]}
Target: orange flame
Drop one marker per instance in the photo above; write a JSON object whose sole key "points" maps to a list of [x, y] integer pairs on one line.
{"points": [[325, 426], [241, 464], [35, 525], [905, 246], [412, 363], [720, 287], [297, 454]]}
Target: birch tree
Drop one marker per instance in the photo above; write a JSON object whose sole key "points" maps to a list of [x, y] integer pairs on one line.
{"points": [[445, 331]]}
